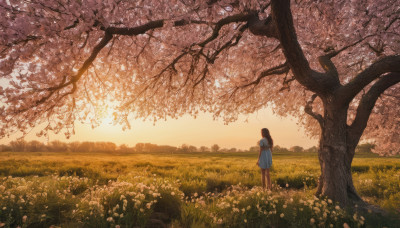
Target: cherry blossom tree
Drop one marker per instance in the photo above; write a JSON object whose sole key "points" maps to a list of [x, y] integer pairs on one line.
{"points": [[332, 64]]}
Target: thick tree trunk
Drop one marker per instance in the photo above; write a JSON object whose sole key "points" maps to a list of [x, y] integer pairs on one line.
{"points": [[336, 154], [338, 140]]}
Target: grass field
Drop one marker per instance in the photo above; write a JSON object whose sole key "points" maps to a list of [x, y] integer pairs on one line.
{"points": [[185, 190]]}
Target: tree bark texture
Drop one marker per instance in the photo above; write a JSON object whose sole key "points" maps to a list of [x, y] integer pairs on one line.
{"points": [[335, 155]]}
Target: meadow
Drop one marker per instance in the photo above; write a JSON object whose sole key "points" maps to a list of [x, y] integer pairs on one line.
{"points": [[70, 189]]}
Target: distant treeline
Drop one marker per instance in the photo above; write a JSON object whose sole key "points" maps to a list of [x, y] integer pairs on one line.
{"points": [[59, 146]]}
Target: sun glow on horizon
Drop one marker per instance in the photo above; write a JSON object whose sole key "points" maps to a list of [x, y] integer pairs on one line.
{"points": [[200, 131]]}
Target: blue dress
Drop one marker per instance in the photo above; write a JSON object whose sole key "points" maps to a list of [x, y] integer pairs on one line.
{"points": [[265, 161]]}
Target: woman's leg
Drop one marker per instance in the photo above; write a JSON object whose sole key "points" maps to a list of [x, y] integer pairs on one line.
{"points": [[263, 178], [266, 171]]}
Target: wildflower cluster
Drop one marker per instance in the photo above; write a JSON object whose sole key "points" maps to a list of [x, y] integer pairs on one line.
{"points": [[47, 201], [124, 203], [40, 200], [243, 207]]}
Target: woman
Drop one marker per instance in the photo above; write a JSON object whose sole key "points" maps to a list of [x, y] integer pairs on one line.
{"points": [[265, 157]]}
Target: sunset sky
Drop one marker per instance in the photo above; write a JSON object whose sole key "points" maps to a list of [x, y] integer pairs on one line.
{"points": [[202, 131]]}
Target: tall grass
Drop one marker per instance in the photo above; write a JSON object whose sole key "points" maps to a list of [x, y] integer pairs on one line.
{"points": [[184, 190]]}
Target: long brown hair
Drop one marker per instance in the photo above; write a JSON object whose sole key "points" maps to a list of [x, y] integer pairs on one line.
{"points": [[265, 134]]}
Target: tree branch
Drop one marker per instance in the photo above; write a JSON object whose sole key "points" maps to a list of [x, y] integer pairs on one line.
{"points": [[51, 90], [384, 65], [197, 53], [309, 111], [367, 103], [326, 60], [132, 31], [104, 41], [265, 27], [281, 69], [391, 23], [378, 49], [160, 23], [297, 62], [335, 53], [286, 82], [75, 23], [230, 19], [232, 42]]}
